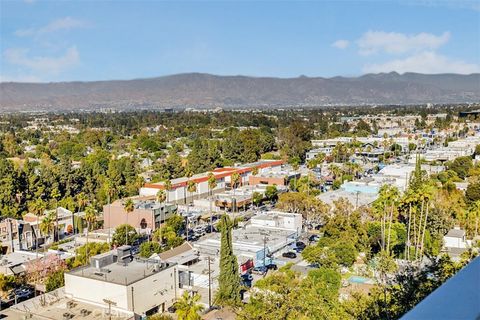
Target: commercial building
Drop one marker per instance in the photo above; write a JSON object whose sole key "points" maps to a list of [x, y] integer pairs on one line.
{"points": [[179, 194], [64, 220], [146, 216], [270, 177], [259, 239], [140, 286], [57, 305]]}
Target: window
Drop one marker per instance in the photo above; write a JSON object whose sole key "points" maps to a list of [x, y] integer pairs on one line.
{"points": [[143, 224]]}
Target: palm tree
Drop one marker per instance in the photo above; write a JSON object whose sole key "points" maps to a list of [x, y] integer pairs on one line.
{"points": [[191, 186], [82, 201], [161, 196], [128, 206], [111, 192], [47, 226], [235, 178], [212, 184], [55, 194], [90, 217], [188, 307], [168, 186], [188, 174], [37, 207]]}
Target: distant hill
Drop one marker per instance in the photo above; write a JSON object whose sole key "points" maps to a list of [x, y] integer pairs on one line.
{"points": [[205, 90]]}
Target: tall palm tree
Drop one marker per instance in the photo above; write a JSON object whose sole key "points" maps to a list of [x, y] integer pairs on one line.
{"points": [[191, 187], [111, 192], [82, 201], [161, 197], [55, 194], [37, 207], [235, 178], [128, 206], [168, 186], [90, 217], [212, 184], [47, 226], [188, 307], [188, 174]]}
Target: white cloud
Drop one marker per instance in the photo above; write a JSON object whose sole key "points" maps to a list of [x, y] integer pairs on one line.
{"points": [[341, 44], [65, 23], [424, 62], [52, 65], [398, 43]]}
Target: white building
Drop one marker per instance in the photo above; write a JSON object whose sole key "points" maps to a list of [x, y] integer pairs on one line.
{"points": [[179, 193], [137, 285], [456, 238]]}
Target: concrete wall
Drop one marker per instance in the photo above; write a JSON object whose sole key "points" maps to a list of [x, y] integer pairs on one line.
{"points": [[153, 291], [254, 180], [94, 291], [453, 242], [147, 293], [116, 215]]}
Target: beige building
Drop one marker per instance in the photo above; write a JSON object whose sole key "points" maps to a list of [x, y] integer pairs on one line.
{"points": [[141, 286], [146, 216]]}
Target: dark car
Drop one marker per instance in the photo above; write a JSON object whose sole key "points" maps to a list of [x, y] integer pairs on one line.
{"points": [[313, 238], [298, 250], [247, 280], [300, 245], [271, 266], [290, 255], [210, 229]]}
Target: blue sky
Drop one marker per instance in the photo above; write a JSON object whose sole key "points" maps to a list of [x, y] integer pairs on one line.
{"points": [[99, 40]]}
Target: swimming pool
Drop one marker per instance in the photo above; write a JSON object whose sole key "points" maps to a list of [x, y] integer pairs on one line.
{"points": [[358, 279]]}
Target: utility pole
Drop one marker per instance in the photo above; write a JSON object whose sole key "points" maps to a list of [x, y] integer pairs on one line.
{"points": [[264, 250], [209, 284], [356, 204], [110, 303]]}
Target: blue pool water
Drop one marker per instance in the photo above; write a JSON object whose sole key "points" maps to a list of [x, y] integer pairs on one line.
{"points": [[357, 279]]}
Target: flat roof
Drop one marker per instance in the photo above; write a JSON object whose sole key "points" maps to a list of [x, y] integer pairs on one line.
{"points": [[57, 304], [134, 271], [249, 240], [363, 198]]}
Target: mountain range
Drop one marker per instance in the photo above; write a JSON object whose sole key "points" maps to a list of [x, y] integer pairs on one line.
{"points": [[206, 90]]}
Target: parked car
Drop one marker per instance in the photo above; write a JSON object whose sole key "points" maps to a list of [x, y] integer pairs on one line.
{"points": [[271, 266], [247, 279], [300, 245], [290, 255], [298, 250], [313, 238], [210, 229]]}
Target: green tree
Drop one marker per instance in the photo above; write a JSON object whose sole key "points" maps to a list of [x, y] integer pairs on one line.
{"points": [[229, 279], [461, 166], [90, 218], [271, 193], [148, 248], [47, 226], [128, 206], [55, 280], [472, 193], [124, 234], [37, 207], [188, 307]]}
